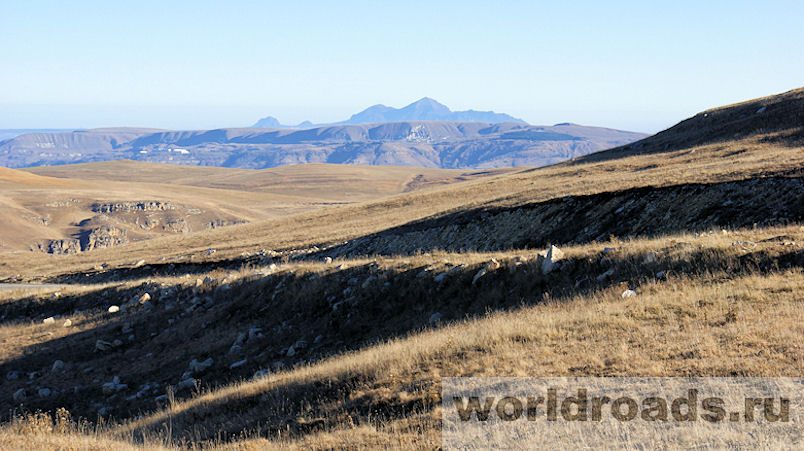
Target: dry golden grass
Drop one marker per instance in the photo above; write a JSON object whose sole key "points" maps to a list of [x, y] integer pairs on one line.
{"points": [[715, 323]]}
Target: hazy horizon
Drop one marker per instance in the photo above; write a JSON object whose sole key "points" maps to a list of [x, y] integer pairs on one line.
{"points": [[199, 65]]}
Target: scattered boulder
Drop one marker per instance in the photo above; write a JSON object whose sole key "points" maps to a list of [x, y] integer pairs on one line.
{"points": [[188, 383], [238, 364], [19, 395], [113, 387], [45, 392], [197, 367], [58, 365], [629, 294], [103, 346], [650, 258], [49, 321], [67, 323], [551, 260], [298, 346], [605, 275], [436, 318], [493, 265], [13, 375], [328, 260], [261, 373], [114, 309]]}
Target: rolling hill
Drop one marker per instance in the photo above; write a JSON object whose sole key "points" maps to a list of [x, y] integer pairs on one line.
{"points": [[433, 144]]}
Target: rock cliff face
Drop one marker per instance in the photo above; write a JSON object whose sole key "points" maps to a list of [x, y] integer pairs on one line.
{"points": [[106, 236], [58, 247]]}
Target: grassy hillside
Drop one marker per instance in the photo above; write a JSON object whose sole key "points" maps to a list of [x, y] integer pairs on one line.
{"points": [[332, 328]]}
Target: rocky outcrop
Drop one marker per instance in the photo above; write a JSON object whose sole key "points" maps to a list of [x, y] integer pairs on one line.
{"points": [[177, 226], [224, 223], [105, 236], [58, 247], [123, 207], [99, 237]]}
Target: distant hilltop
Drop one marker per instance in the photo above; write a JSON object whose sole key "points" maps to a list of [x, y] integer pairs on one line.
{"points": [[424, 109]]}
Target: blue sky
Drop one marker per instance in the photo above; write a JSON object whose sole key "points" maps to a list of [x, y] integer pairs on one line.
{"points": [[200, 64]]}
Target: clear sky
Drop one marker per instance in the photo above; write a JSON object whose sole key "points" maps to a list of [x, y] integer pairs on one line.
{"points": [[637, 65]]}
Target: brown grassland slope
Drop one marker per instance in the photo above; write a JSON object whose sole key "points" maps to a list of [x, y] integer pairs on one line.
{"points": [[312, 353]]}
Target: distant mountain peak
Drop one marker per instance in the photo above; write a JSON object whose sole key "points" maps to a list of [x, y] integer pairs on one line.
{"points": [[424, 109]]}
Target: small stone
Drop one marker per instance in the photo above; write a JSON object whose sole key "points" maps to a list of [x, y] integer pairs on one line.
{"points": [[262, 373], [197, 367], [19, 395], [605, 275], [435, 318], [328, 260], [58, 365], [238, 364], [114, 309], [629, 294], [185, 384], [138, 264], [661, 274], [48, 321], [650, 258], [45, 392], [103, 346], [67, 323]]}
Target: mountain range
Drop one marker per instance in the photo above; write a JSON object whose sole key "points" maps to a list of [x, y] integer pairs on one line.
{"points": [[432, 144], [424, 109]]}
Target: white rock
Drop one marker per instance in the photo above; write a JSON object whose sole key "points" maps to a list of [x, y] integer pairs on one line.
{"points": [[67, 323], [550, 261], [493, 265], [328, 260], [50, 320], [114, 309], [629, 294]]}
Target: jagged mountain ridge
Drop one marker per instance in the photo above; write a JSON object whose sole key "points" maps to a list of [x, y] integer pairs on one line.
{"points": [[435, 144], [424, 109]]}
